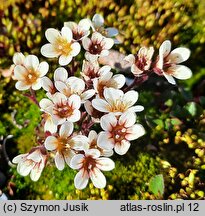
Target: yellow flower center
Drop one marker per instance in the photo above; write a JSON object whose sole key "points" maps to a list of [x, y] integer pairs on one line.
{"points": [[62, 46], [31, 76], [118, 106]]}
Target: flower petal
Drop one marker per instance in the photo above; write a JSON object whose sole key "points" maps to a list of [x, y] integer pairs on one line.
{"points": [[18, 158], [65, 60], [169, 78], [108, 121], [18, 58], [86, 43], [122, 148], [112, 95], [20, 85], [66, 129], [59, 161], [46, 84], [31, 62], [181, 72], [51, 143], [60, 74], [36, 171], [81, 179], [108, 43], [87, 94], [35, 156], [97, 178], [119, 80], [135, 132], [105, 164], [52, 34], [58, 98], [137, 108], [43, 68], [74, 101], [20, 72], [76, 161], [130, 98], [37, 85], [67, 33], [98, 20], [49, 51], [127, 119], [45, 104], [104, 141], [111, 32], [179, 55], [165, 48], [75, 116], [100, 105], [50, 126], [75, 48]]}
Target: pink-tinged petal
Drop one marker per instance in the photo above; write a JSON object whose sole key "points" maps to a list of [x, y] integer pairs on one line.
{"points": [[122, 148], [137, 108], [119, 80], [45, 104], [51, 143], [31, 62], [20, 72], [104, 141], [52, 34], [77, 161], [96, 36], [50, 126], [85, 24], [112, 32], [74, 101], [75, 116], [100, 105], [49, 51], [98, 20], [71, 25], [37, 85], [135, 70], [90, 57], [127, 119], [112, 95], [160, 62], [81, 179], [95, 153], [67, 33], [76, 84], [130, 98], [165, 48], [58, 98], [103, 70], [58, 120], [59, 161], [68, 155], [43, 68], [92, 135], [25, 167], [18, 158], [169, 78], [104, 53], [108, 121], [108, 43], [80, 142], [105, 164], [130, 58], [66, 129], [97, 177], [20, 85], [35, 156], [135, 132], [46, 84], [60, 74], [36, 171], [65, 60], [181, 72], [62, 88], [179, 55], [107, 153], [87, 94], [75, 48], [18, 58], [86, 43]]}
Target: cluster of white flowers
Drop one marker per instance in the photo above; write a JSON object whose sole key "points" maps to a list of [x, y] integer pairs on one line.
{"points": [[73, 105]]}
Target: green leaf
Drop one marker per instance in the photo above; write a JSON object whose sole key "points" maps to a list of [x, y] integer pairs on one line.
{"points": [[176, 121], [194, 109], [156, 185], [159, 122]]}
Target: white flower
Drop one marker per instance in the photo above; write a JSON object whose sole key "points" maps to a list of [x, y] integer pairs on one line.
{"points": [[32, 163], [28, 71], [93, 144], [142, 61], [61, 45], [96, 46], [117, 102], [91, 70], [98, 25], [62, 108], [118, 132], [107, 80], [49, 124], [64, 145], [168, 61], [74, 85], [79, 30], [89, 166]]}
